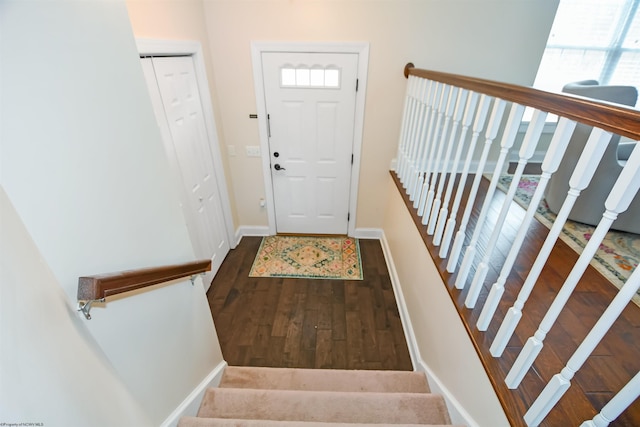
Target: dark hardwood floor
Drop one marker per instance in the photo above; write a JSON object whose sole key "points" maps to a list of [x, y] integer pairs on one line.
{"points": [[355, 324], [308, 323], [615, 360]]}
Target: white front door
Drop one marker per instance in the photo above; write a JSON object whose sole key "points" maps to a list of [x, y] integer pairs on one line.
{"points": [[310, 102], [174, 92]]}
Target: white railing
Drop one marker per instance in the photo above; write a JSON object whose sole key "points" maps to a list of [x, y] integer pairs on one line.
{"points": [[440, 110]]}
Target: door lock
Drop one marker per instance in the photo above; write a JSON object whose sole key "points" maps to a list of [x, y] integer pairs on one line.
{"points": [[278, 167], [276, 154]]}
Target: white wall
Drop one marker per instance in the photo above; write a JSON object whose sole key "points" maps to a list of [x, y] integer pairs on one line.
{"points": [[51, 368], [442, 339], [496, 39], [83, 164]]}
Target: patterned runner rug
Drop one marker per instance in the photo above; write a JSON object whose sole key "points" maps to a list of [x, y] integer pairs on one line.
{"points": [[619, 252], [308, 257]]}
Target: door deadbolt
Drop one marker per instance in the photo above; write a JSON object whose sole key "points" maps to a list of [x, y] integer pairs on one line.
{"points": [[276, 154]]}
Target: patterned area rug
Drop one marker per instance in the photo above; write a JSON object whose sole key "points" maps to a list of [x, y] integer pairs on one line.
{"points": [[619, 252], [308, 257]]}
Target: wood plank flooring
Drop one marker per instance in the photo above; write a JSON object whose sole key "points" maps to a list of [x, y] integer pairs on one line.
{"points": [[308, 323], [615, 360]]}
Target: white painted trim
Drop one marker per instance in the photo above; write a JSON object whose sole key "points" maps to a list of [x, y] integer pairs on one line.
{"points": [[456, 411], [189, 406], [359, 48], [150, 47], [368, 233], [251, 230], [409, 334]]}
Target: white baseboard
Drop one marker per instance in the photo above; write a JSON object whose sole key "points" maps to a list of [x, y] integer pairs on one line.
{"points": [[410, 336], [251, 230], [368, 233], [456, 410], [189, 406]]}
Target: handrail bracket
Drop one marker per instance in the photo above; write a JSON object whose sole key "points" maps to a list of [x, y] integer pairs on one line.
{"points": [[85, 307]]}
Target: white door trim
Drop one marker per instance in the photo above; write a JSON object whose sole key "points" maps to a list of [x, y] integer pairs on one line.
{"points": [[151, 47], [359, 48]]}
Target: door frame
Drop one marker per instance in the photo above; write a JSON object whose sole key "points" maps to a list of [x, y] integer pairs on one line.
{"points": [[359, 48], [159, 47]]}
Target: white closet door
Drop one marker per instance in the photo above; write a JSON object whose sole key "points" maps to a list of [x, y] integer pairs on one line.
{"points": [[174, 93]]}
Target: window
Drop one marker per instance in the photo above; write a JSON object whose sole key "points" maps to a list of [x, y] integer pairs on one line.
{"points": [[592, 39], [313, 77]]}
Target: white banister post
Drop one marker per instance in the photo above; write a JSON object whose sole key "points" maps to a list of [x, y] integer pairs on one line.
{"points": [[561, 382], [420, 125], [494, 124], [456, 117], [619, 199], [406, 127], [403, 125], [550, 165], [478, 125], [508, 138], [527, 149], [469, 111], [424, 136], [621, 401], [580, 178], [437, 167]]}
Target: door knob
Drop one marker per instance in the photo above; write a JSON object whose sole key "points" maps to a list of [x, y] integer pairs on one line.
{"points": [[278, 167]]}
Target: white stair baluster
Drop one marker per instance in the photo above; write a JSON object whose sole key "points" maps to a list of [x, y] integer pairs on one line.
{"points": [[435, 166], [419, 121], [411, 101], [527, 149], [508, 138], [406, 114], [411, 134], [492, 130], [619, 199], [580, 178], [423, 135], [478, 125], [621, 401], [561, 382], [431, 142], [550, 164], [457, 116], [469, 111]]}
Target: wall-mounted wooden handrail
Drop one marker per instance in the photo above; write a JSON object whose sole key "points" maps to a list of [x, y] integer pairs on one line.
{"points": [[97, 287], [608, 116]]}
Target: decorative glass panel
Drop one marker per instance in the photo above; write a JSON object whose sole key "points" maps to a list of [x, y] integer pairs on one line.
{"points": [[310, 77], [302, 77], [332, 78], [288, 77]]}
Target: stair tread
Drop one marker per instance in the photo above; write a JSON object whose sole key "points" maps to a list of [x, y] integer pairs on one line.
{"points": [[324, 379], [324, 406], [231, 422]]}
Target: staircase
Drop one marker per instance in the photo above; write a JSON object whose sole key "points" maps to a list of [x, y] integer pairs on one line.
{"points": [[319, 397]]}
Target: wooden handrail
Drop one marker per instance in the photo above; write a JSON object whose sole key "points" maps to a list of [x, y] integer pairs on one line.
{"points": [[608, 116], [97, 287]]}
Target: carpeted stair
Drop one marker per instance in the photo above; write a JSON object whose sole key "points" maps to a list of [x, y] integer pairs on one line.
{"points": [[319, 397]]}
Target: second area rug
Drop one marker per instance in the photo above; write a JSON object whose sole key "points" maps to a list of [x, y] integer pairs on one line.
{"points": [[308, 257]]}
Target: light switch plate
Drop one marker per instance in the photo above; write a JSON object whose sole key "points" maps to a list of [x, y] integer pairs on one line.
{"points": [[253, 150]]}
